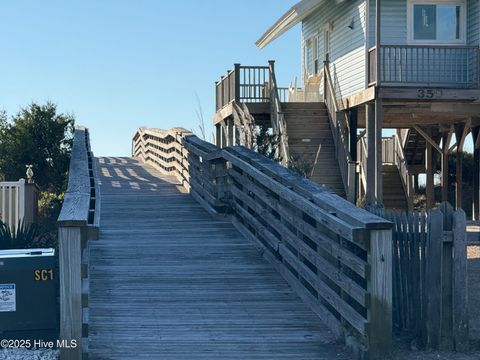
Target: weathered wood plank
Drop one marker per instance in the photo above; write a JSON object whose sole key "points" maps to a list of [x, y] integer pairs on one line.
{"points": [[460, 282], [180, 284], [70, 262], [380, 290], [434, 279]]}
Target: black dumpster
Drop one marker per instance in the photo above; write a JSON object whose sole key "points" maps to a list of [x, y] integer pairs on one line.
{"points": [[28, 294]]}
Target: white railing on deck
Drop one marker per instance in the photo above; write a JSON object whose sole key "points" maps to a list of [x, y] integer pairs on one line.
{"points": [[388, 150], [311, 92], [12, 200]]}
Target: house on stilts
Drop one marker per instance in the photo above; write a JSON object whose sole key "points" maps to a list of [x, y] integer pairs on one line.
{"points": [[408, 65]]}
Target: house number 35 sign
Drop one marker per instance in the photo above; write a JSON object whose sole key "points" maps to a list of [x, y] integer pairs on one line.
{"points": [[429, 93]]}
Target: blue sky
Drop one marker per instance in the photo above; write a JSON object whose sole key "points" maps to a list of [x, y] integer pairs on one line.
{"points": [[118, 65]]}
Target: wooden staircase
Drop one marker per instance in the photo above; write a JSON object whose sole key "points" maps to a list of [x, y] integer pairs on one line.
{"points": [[394, 196], [415, 147], [311, 144]]}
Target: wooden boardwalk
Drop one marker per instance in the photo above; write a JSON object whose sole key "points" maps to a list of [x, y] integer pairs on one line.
{"points": [[167, 281]]}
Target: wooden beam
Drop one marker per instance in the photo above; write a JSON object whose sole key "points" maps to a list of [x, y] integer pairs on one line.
{"points": [[427, 138], [476, 175], [445, 139], [218, 135], [362, 134], [370, 186], [429, 187], [477, 141], [230, 135], [448, 139], [459, 134], [360, 98], [461, 143], [353, 117], [378, 150], [415, 94], [468, 109]]}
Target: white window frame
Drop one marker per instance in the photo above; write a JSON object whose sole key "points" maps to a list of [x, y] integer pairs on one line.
{"points": [[312, 43], [463, 22]]}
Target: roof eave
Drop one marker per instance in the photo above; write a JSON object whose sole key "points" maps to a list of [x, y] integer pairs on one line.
{"points": [[292, 17]]}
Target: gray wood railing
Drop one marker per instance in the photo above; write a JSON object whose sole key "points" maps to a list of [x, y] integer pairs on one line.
{"points": [[425, 65], [248, 84], [392, 153], [77, 223], [340, 130], [336, 256], [279, 126]]}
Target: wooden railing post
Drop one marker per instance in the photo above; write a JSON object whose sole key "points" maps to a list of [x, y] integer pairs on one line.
{"points": [[70, 240], [380, 289], [222, 89], [460, 300], [351, 188], [237, 82], [218, 106], [271, 73]]}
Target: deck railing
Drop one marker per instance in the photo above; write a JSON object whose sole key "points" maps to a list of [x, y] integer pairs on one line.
{"points": [[340, 130], [248, 84], [337, 257], [279, 126], [421, 65], [77, 223], [392, 153]]}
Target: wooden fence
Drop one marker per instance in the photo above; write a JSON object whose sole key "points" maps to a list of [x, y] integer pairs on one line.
{"points": [[336, 256], [77, 223], [430, 276]]}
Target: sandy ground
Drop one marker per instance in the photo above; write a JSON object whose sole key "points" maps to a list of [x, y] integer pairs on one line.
{"points": [[398, 355], [22, 354]]}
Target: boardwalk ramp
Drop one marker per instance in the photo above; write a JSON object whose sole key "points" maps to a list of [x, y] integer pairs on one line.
{"points": [[168, 281]]}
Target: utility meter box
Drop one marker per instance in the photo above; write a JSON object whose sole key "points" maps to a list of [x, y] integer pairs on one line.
{"points": [[28, 294]]}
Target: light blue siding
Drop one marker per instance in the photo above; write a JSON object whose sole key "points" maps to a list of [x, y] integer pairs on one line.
{"points": [[473, 22], [394, 22], [347, 46], [419, 66], [423, 67]]}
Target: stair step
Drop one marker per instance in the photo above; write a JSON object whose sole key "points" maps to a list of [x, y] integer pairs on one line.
{"points": [[303, 105], [307, 115]]}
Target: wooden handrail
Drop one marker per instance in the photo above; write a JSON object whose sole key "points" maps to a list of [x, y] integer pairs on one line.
{"points": [[279, 126], [399, 160], [77, 223], [403, 169], [290, 219], [339, 123]]}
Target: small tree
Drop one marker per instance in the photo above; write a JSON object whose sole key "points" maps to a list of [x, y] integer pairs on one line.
{"points": [[39, 136]]}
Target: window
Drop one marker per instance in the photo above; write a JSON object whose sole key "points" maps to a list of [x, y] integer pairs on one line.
{"points": [[311, 56], [437, 22]]}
